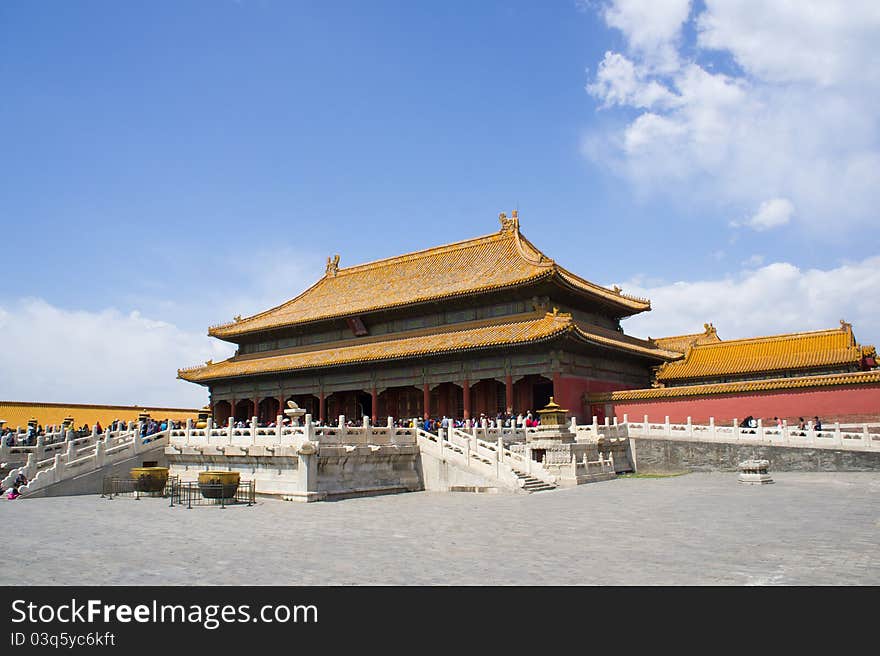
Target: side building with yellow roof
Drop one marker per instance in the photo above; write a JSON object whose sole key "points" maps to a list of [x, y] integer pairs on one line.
{"points": [[824, 373], [482, 326], [18, 413]]}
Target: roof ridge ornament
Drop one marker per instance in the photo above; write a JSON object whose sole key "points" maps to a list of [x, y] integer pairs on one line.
{"points": [[510, 224], [332, 266]]}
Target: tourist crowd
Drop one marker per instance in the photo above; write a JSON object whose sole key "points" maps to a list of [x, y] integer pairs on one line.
{"points": [[751, 422], [432, 424], [53, 433]]}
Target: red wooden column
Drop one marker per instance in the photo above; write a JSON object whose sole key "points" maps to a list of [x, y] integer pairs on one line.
{"points": [[508, 393], [375, 404], [557, 387], [321, 406], [426, 400], [466, 390], [256, 403], [280, 406], [232, 409]]}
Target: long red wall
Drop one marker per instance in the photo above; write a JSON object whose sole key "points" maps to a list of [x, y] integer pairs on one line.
{"points": [[572, 392], [855, 403]]}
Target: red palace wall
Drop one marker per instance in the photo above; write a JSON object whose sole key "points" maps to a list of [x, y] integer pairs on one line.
{"points": [[851, 404], [570, 393]]}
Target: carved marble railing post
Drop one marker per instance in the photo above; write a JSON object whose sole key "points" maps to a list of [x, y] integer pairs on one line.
{"points": [[309, 428], [230, 429], [761, 429], [31, 466], [690, 428], [58, 467], [595, 425], [278, 427], [666, 428], [499, 455], [837, 438], [390, 422], [647, 426], [712, 427], [71, 451], [253, 430], [189, 427], [100, 454]]}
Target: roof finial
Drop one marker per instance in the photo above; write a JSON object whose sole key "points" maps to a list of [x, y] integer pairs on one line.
{"points": [[332, 266], [509, 224]]}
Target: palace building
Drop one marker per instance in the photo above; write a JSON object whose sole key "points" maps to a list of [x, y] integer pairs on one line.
{"points": [[493, 325], [480, 326], [804, 374]]}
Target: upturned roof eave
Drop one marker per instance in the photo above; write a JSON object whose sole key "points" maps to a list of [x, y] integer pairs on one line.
{"points": [[379, 360]]}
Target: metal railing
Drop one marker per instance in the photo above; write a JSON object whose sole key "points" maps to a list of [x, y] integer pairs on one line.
{"points": [[190, 493], [116, 486]]}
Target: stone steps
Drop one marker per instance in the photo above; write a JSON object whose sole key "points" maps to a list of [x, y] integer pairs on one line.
{"points": [[531, 484]]}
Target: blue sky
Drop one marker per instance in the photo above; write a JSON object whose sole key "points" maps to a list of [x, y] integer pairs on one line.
{"points": [[168, 165]]}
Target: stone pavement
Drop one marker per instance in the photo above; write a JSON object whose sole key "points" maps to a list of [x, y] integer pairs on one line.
{"points": [[808, 528]]}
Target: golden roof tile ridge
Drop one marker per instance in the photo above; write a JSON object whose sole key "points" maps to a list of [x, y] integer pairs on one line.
{"points": [[772, 338], [703, 389], [591, 331], [415, 255], [615, 294]]}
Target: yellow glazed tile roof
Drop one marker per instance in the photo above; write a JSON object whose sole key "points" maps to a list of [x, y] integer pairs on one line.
{"points": [[503, 259], [682, 343], [476, 335], [17, 413], [794, 351], [799, 382]]}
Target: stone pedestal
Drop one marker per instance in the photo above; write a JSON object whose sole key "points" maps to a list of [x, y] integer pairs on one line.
{"points": [[754, 472]]}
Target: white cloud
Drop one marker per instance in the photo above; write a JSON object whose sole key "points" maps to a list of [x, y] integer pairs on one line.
{"points": [[775, 298], [56, 355], [797, 120], [618, 82], [771, 214], [652, 28], [795, 40]]}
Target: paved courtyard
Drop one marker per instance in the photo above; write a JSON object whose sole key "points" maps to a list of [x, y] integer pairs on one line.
{"points": [[811, 529]]}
